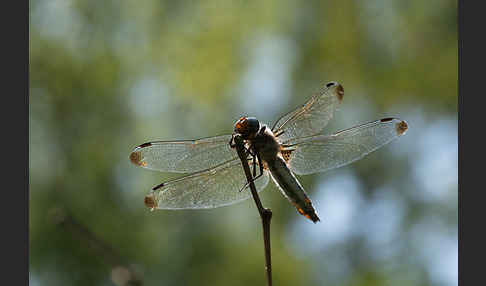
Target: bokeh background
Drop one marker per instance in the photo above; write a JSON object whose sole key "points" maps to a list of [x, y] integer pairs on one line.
{"points": [[106, 76]]}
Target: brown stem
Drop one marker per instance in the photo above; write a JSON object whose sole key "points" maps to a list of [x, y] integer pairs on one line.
{"points": [[265, 214]]}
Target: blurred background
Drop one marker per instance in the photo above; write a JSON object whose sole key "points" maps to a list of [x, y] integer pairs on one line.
{"points": [[106, 76]]}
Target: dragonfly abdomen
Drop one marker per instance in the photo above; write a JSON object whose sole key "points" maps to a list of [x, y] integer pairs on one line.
{"points": [[291, 187]]}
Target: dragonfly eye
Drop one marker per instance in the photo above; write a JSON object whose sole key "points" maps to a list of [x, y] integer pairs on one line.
{"points": [[247, 127]]}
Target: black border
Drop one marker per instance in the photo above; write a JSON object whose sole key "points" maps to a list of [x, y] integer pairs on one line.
{"points": [[15, 142], [471, 63]]}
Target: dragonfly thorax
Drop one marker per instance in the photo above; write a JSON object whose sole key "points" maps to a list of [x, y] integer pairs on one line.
{"points": [[247, 127]]}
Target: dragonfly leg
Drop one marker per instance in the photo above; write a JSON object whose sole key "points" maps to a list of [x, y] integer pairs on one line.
{"points": [[254, 166], [257, 156], [251, 151], [232, 145], [260, 164], [232, 140]]}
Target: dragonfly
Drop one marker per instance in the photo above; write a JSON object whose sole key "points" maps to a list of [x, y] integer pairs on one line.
{"points": [[295, 145]]}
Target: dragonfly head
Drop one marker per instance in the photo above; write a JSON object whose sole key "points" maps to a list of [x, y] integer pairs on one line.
{"points": [[247, 127]]}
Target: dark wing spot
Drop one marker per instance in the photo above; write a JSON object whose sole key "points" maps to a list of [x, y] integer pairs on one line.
{"points": [[340, 92], [136, 158], [145, 145], [401, 127], [339, 89], [158, 187], [386, 119], [150, 201]]}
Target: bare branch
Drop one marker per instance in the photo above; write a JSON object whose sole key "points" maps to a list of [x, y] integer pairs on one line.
{"points": [[122, 273], [265, 214]]}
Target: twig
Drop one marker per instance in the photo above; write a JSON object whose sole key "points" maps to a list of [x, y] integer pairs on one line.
{"points": [[122, 273], [265, 214]]}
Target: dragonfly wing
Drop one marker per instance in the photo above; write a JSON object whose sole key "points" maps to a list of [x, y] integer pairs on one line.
{"points": [[185, 156], [312, 117], [324, 152], [215, 187]]}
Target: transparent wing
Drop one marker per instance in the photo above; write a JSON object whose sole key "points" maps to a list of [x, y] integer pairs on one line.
{"points": [[312, 117], [186, 156], [324, 152], [215, 187]]}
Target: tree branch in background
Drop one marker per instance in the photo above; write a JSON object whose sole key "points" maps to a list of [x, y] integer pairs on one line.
{"points": [[122, 274]]}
